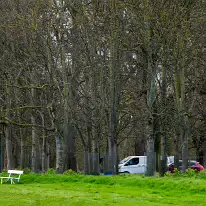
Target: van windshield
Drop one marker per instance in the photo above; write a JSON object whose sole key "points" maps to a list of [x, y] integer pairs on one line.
{"points": [[124, 160]]}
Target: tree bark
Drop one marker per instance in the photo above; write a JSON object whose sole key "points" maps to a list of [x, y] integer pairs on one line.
{"points": [[8, 136], [150, 150], [164, 149], [59, 153], [35, 162], [115, 90], [8, 132], [22, 154], [69, 147], [1, 156]]}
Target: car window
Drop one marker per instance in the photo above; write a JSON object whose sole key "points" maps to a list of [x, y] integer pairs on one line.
{"points": [[133, 161], [192, 163]]}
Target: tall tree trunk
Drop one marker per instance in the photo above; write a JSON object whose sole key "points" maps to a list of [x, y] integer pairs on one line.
{"points": [[44, 152], [69, 147], [112, 142], [96, 121], [34, 136], [115, 75], [1, 156], [177, 151], [163, 157], [44, 147], [86, 161], [58, 141], [185, 153], [86, 145], [151, 99], [151, 90], [48, 156], [22, 154], [35, 162], [96, 166], [150, 149], [69, 131], [8, 132], [179, 78], [8, 136], [164, 150], [59, 153]]}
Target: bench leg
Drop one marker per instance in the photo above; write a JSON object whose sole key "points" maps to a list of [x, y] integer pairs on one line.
{"points": [[2, 180], [12, 181]]}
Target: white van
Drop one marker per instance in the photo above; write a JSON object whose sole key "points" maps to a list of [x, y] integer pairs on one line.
{"points": [[133, 165], [137, 164]]}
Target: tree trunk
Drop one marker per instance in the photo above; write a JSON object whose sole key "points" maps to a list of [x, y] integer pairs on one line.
{"points": [[8, 136], [151, 90], [59, 153], [22, 157], [185, 148], [48, 156], [163, 157], [1, 158], [44, 147], [44, 152], [69, 147], [115, 84], [164, 150], [34, 147], [150, 150], [96, 168], [113, 143], [86, 161], [179, 77], [8, 132]]}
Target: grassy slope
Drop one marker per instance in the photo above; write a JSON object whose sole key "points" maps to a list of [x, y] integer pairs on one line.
{"points": [[103, 190]]}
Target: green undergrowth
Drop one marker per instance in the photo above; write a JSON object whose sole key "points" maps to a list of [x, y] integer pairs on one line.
{"points": [[177, 183], [121, 190]]}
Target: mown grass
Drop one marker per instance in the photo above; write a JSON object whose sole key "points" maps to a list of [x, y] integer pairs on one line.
{"points": [[120, 190]]}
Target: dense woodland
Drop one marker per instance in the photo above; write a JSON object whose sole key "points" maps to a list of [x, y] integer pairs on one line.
{"points": [[91, 81]]}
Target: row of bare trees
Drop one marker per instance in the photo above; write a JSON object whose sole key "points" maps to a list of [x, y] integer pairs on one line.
{"points": [[101, 77]]}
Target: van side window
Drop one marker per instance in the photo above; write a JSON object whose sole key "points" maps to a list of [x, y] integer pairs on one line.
{"points": [[133, 161]]}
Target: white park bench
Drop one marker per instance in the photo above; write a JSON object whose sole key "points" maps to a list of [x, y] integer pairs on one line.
{"points": [[13, 175]]}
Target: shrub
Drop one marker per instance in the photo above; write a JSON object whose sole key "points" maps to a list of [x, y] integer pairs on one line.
{"points": [[27, 170], [168, 174], [19, 168], [190, 172], [71, 172], [51, 171], [177, 172], [68, 172], [4, 173], [202, 173]]}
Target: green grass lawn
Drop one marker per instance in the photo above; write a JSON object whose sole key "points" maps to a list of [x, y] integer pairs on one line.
{"points": [[104, 190]]}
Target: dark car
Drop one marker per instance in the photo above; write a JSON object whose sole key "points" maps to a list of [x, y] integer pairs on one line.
{"points": [[191, 164]]}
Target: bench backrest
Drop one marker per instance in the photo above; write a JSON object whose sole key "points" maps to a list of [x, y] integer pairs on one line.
{"points": [[17, 172]]}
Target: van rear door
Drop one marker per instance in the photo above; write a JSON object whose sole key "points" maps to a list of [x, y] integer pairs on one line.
{"points": [[143, 164]]}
